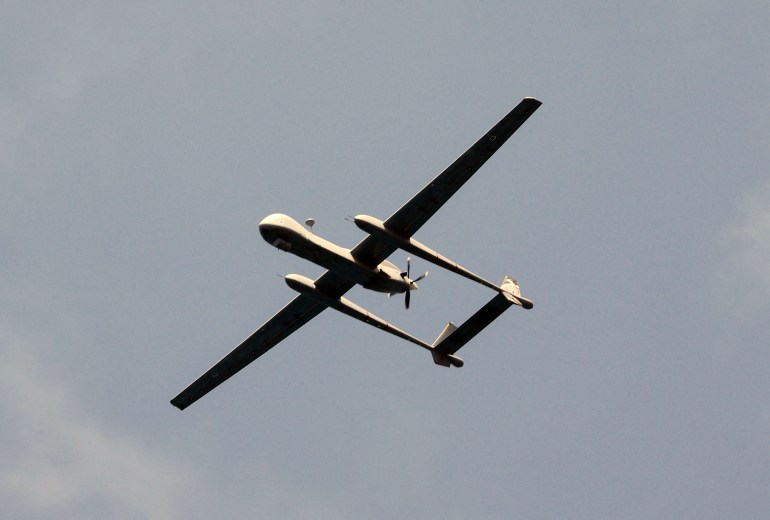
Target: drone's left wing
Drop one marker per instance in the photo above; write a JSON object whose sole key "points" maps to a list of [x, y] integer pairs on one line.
{"points": [[298, 312]]}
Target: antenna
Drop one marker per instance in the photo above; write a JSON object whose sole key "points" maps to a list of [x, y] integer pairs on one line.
{"points": [[310, 223]]}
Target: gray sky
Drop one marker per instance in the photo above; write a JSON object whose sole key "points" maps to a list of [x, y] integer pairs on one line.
{"points": [[140, 146]]}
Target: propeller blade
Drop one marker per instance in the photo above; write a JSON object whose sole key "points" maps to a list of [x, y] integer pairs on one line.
{"points": [[421, 277], [406, 300], [408, 265]]}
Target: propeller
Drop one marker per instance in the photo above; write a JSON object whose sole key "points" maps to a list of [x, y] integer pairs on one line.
{"points": [[412, 283]]}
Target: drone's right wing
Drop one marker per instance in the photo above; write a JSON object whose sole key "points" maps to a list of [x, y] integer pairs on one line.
{"points": [[298, 312]]}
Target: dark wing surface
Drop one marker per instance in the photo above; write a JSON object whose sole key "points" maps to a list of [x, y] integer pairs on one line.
{"points": [[298, 312], [475, 324], [412, 215]]}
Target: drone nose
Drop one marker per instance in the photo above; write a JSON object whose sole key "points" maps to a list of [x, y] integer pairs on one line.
{"points": [[269, 224], [270, 220], [265, 229]]}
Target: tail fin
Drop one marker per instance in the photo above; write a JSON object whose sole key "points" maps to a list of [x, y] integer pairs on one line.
{"points": [[450, 328], [445, 360], [511, 287]]}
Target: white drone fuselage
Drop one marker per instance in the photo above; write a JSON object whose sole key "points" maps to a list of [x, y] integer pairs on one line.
{"points": [[288, 235]]}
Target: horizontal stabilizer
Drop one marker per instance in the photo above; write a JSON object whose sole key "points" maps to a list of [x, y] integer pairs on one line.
{"points": [[445, 360], [513, 293], [456, 339]]}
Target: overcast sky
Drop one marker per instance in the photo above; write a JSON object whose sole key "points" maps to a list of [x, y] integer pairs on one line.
{"points": [[142, 143]]}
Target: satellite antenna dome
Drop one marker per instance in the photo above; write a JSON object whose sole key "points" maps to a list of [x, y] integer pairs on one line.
{"points": [[310, 223]]}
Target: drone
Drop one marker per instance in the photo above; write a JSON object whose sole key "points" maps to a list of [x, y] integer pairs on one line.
{"points": [[366, 265]]}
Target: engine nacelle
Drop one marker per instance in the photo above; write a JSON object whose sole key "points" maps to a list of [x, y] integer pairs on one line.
{"points": [[377, 228]]}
